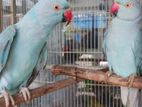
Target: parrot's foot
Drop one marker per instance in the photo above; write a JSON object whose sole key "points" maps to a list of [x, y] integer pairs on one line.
{"points": [[26, 94], [131, 79], [107, 75], [8, 99]]}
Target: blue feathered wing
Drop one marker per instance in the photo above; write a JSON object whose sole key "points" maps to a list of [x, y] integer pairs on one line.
{"points": [[6, 39]]}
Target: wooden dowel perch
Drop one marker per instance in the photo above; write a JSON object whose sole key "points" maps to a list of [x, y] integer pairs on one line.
{"points": [[41, 91], [97, 75]]}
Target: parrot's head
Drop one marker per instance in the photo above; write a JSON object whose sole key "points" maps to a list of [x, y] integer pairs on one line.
{"points": [[51, 12], [126, 9]]}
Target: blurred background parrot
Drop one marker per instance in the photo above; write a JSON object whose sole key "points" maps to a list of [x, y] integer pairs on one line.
{"points": [[123, 46], [23, 46]]}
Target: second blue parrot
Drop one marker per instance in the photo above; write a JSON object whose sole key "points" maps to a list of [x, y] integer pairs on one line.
{"points": [[123, 45]]}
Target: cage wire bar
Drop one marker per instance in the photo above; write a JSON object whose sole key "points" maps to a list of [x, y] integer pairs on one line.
{"points": [[78, 44]]}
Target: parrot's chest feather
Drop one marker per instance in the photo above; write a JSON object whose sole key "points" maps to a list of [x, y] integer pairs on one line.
{"points": [[122, 37], [120, 44]]}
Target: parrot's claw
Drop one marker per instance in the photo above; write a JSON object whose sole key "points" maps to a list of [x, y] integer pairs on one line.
{"points": [[26, 94], [131, 79], [107, 75], [8, 99]]}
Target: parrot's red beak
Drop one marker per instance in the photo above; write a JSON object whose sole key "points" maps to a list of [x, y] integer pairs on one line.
{"points": [[68, 16], [114, 9]]}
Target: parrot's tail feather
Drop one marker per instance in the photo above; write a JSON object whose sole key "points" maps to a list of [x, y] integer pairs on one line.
{"points": [[130, 97]]}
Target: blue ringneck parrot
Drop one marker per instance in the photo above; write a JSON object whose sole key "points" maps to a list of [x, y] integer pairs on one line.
{"points": [[123, 45], [23, 45]]}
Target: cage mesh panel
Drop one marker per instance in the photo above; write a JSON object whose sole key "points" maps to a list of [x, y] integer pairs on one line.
{"points": [[78, 44]]}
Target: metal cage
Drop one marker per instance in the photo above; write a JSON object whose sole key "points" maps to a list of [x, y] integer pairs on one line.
{"points": [[78, 44]]}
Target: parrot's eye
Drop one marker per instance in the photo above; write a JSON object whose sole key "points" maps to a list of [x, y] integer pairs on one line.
{"points": [[56, 7], [128, 5]]}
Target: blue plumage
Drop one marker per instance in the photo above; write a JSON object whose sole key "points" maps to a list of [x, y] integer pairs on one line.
{"points": [[123, 46], [23, 45]]}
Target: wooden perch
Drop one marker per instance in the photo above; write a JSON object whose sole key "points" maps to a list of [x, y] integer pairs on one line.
{"points": [[41, 91], [97, 75]]}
